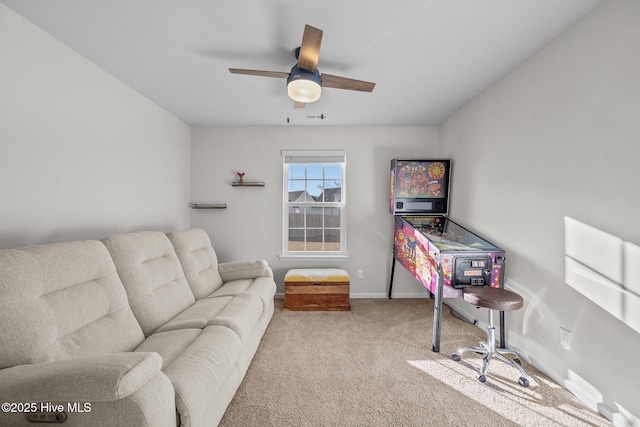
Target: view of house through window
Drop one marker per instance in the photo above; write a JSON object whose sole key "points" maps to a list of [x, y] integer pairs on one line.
{"points": [[314, 202]]}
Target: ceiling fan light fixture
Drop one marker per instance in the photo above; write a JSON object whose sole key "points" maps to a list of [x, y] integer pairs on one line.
{"points": [[304, 86]]}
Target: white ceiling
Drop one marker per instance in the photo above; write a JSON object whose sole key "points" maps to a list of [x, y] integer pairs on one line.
{"points": [[427, 58]]}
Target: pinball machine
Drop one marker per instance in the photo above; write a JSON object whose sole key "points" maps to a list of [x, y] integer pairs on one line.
{"points": [[442, 255]]}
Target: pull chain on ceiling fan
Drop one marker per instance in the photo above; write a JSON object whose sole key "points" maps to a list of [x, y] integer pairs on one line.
{"points": [[304, 81]]}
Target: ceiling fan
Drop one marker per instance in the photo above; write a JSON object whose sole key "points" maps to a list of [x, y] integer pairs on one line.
{"points": [[304, 81]]}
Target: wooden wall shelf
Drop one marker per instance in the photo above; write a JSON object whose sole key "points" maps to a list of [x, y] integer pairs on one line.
{"points": [[208, 206], [248, 184]]}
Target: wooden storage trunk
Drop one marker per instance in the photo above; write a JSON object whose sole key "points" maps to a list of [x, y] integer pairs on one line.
{"points": [[317, 289]]}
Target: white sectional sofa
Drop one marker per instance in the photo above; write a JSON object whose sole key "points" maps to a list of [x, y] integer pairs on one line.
{"points": [[140, 329]]}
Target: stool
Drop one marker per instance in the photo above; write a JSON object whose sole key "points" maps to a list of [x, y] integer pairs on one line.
{"points": [[493, 299], [310, 289]]}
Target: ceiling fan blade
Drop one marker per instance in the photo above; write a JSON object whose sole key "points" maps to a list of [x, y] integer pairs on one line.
{"points": [[338, 82], [262, 73], [298, 104], [310, 48]]}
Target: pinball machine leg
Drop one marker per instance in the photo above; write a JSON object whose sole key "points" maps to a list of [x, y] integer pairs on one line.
{"points": [[437, 320], [393, 268], [437, 312], [503, 341]]}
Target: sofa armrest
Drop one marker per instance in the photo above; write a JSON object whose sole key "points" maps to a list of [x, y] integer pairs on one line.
{"points": [[244, 270], [90, 379]]}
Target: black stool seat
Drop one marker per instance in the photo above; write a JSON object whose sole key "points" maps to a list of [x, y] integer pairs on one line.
{"points": [[493, 298]]}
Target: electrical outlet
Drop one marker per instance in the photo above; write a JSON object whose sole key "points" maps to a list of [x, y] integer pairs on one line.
{"points": [[565, 338], [360, 274]]}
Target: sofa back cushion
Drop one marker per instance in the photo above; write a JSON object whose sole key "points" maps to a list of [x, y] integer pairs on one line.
{"points": [[151, 275], [199, 261], [62, 301]]}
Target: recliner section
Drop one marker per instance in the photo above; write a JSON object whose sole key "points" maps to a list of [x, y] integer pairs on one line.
{"points": [[148, 264]]}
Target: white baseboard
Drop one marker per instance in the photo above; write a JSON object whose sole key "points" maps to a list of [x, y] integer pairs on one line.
{"points": [[380, 295], [395, 295]]}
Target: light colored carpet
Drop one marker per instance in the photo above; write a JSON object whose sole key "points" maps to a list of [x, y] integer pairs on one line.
{"points": [[373, 366]]}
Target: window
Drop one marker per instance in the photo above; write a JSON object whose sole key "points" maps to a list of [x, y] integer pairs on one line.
{"points": [[314, 203]]}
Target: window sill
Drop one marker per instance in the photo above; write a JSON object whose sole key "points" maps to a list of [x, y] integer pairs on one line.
{"points": [[314, 257]]}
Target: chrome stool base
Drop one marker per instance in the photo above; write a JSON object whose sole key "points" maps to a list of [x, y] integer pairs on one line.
{"points": [[489, 349]]}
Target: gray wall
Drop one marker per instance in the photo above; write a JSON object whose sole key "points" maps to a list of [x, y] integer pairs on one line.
{"points": [[251, 226], [559, 137], [81, 154]]}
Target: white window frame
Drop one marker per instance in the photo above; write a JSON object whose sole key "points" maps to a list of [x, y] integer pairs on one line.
{"points": [[307, 157]]}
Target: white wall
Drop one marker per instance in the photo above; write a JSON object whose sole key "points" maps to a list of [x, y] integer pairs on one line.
{"points": [[557, 137], [251, 226], [81, 154]]}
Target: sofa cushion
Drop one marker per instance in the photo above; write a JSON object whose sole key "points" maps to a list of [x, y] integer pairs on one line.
{"points": [[62, 301], [240, 313], [202, 366], [198, 315], [262, 287], [199, 260], [152, 277]]}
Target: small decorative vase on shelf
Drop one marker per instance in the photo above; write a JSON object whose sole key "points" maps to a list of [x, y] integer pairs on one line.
{"points": [[241, 176]]}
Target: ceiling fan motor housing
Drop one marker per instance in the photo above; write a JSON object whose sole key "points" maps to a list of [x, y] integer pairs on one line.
{"points": [[304, 85]]}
